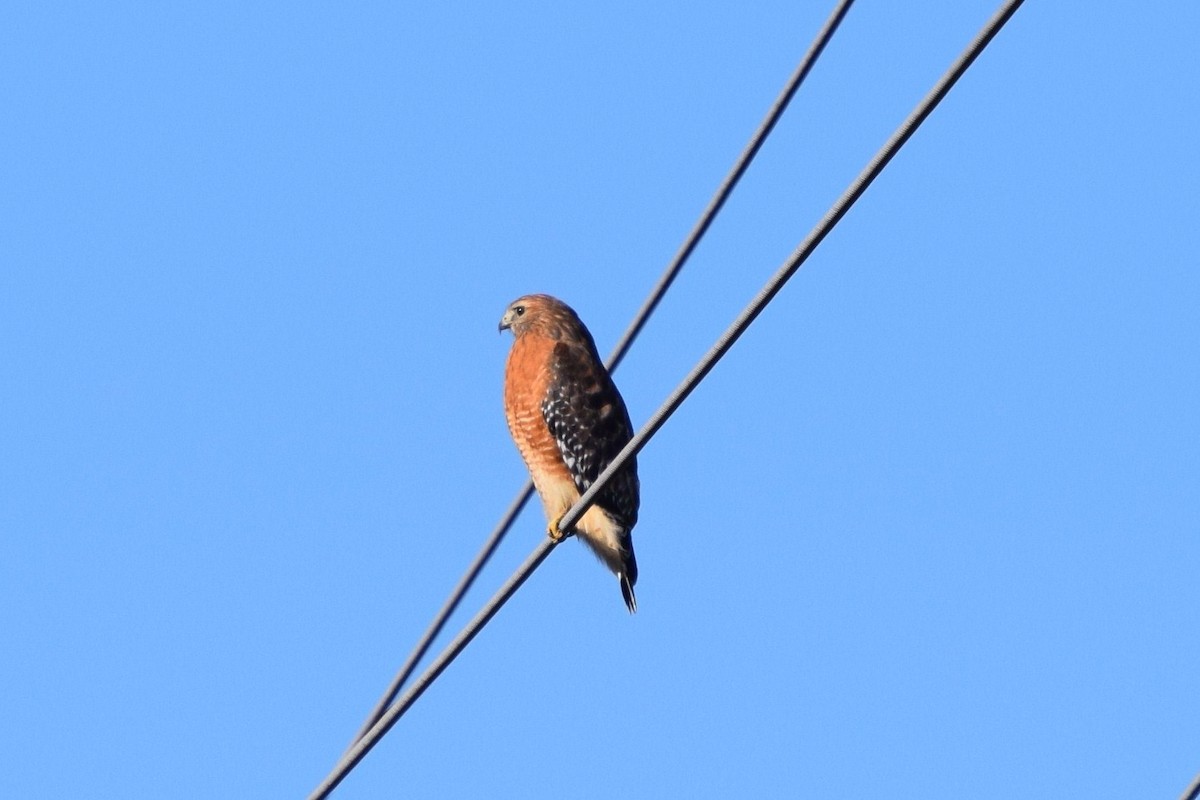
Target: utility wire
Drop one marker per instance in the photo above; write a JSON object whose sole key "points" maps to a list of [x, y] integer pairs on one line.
{"points": [[451, 604], [1193, 791], [731, 180], [623, 345], [856, 189]]}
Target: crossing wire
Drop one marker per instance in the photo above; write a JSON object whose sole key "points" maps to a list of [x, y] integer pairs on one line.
{"points": [[843, 204], [622, 347], [1193, 790]]}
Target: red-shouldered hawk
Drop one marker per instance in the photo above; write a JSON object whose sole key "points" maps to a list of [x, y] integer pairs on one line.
{"points": [[569, 422]]}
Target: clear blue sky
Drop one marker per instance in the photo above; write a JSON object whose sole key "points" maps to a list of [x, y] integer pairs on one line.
{"points": [[931, 530]]}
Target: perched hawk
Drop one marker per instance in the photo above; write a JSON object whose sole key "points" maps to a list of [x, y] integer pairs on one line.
{"points": [[569, 422]]}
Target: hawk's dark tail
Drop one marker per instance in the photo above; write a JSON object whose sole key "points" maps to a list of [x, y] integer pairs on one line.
{"points": [[627, 575], [627, 592]]}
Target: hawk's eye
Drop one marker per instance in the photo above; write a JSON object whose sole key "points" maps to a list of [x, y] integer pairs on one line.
{"points": [[520, 310]]}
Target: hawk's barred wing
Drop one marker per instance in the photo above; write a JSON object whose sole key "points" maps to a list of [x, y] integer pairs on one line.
{"points": [[588, 420]]}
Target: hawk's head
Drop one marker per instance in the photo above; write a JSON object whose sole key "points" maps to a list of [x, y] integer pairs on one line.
{"points": [[542, 314]]}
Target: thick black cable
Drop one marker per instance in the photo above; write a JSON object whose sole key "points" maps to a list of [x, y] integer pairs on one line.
{"points": [[797, 258], [1193, 790], [626, 341], [356, 753], [448, 608]]}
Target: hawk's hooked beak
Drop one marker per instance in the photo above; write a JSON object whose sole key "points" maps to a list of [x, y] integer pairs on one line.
{"points": [[505, 321]]}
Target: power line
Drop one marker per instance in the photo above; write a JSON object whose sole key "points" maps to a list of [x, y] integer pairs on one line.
{"points": [[731, 180], [448, 608], [639, 321], [797, 258], [1193, 790], [856, 189]]}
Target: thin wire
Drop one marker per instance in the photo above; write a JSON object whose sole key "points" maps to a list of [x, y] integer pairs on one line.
{"points": [[1193, 791], [626, 341], [718, 350], [448, 608], [731, 180]]}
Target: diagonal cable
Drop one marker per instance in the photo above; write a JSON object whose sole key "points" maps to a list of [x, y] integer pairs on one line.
{"points": [[622, 347], [735, 174], [877, 164], [1193, 790]]}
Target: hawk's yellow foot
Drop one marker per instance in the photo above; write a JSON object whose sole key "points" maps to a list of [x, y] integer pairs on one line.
{"points": [[552, 529]]}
